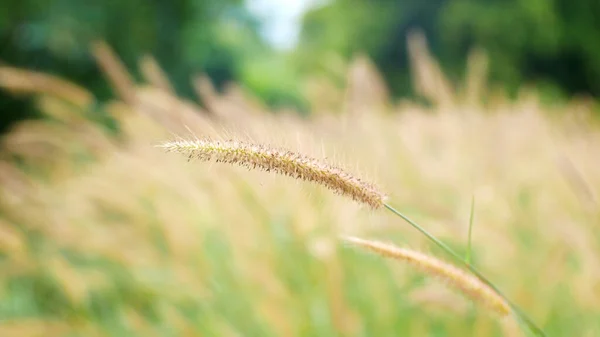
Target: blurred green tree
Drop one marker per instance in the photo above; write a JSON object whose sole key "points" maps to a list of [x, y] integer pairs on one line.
{"points": [[214, 37], [552, 42], [546, 41]]}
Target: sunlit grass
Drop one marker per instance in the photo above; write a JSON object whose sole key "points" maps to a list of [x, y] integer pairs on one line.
{"points": [[101, 233]]}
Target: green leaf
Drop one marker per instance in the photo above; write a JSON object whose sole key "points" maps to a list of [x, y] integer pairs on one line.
{"points": [[468, 255]]}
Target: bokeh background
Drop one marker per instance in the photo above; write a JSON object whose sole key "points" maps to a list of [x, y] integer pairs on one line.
{"points": [[438, 102]]}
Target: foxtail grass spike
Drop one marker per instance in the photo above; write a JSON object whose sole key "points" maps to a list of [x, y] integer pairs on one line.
{"points": [[469, 285], [256, 156]]}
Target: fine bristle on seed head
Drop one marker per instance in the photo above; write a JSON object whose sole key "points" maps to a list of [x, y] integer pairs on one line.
{"points": [[466, 283], [257, 156]]}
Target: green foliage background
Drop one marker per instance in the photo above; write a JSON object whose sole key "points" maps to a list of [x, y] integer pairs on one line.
{"points": [[553, 43], [545, 41]]}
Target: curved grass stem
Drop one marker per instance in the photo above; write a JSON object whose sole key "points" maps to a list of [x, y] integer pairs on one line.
{"points": [[469, 248], [532, 328]]}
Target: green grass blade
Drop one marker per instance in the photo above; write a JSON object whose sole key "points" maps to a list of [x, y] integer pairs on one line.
{"points": [[468, 255], [531, 328]]}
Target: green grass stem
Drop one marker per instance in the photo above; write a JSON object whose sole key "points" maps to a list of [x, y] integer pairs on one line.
{"points": [[532, 328]]}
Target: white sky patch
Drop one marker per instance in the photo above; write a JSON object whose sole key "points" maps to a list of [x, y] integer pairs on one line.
{"points": [[281, 19]]}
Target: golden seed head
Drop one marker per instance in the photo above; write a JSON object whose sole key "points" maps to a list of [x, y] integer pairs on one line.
{"points": [[469, 285], [280, 161]]}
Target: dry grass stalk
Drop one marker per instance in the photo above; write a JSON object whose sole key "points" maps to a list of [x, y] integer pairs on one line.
{"points": [[154, 74], [115, 70], [467, 284], [366, 89], [428, 77], [29, 82], [280, 161]]}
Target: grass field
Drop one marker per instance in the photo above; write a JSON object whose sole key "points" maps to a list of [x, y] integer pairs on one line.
{"points": [[103, 234]]}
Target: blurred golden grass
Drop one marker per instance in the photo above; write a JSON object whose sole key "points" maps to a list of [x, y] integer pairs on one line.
{"points": [[466, 283], [102, 234]]}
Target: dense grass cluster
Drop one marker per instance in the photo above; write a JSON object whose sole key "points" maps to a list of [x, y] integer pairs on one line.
{"points": [[103, 234]]}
